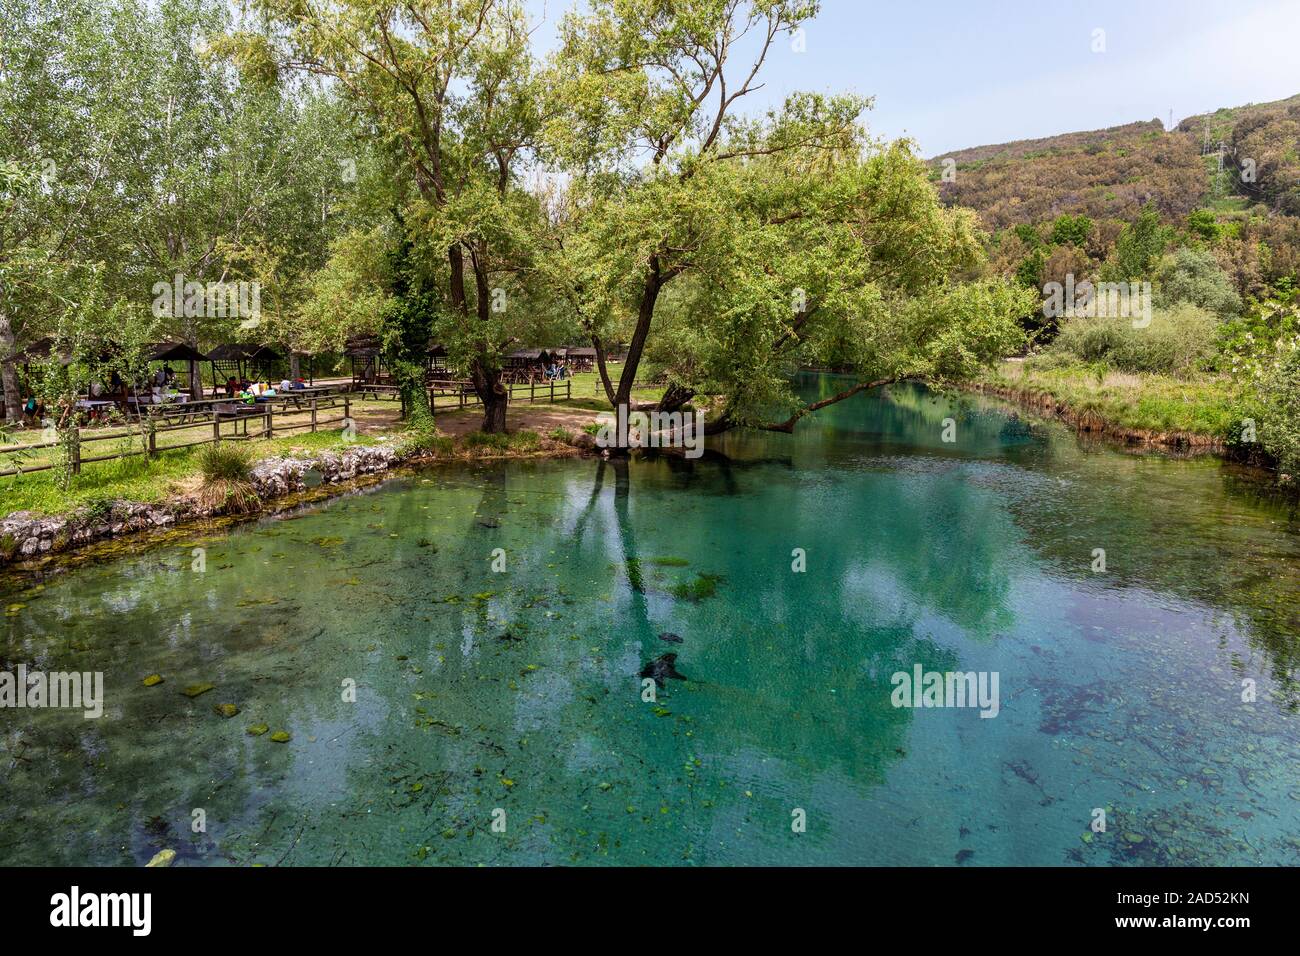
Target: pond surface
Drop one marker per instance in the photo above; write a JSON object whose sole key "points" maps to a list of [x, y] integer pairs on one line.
{"points": [[514, 696]]}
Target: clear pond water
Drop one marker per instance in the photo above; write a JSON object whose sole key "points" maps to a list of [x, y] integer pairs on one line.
{"points": [[514, 697]]}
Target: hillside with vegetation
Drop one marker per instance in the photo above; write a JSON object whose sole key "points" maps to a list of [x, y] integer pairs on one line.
{"points": [[1208, 213]]}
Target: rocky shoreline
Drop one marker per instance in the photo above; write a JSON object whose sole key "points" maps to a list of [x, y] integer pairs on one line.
{"points": [[24, 536]]}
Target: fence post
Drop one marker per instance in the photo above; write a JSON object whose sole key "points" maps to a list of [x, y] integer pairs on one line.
{"points": [[76, 449], [270, 412], [347, 408], [153, 441], [216, 424], [313, 413]]}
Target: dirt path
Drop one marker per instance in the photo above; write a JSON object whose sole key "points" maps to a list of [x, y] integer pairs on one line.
{"points": [[537, 418]]}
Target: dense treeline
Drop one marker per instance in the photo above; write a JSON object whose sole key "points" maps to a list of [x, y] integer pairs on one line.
{"points": [[415, 172]]}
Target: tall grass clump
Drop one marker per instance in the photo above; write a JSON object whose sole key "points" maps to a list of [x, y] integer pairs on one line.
{"points": [[226, 470]]}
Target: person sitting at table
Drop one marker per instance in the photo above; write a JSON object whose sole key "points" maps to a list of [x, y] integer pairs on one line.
{"points": [[231, 387], [33, 410], [285, 385]]}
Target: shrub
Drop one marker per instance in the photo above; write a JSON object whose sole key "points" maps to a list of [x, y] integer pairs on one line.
{"points": [[1279, 424], [226, 470], [1194, 275], [1178, 340]]}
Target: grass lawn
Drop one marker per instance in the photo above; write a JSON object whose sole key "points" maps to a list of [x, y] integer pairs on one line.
{"points": [[136, 479], [1208, 405]]}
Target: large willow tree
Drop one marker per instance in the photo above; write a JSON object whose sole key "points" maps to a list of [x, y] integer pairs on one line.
{"points": [[448, 87], [737, 248]]}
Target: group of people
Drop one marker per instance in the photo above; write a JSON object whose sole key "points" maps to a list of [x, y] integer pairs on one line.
{"points": [[250, 392], [556, 372]]}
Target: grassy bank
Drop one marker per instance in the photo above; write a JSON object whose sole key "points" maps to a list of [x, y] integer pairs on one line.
{"points": [[1199, 410], [138, 479], [536, 431]]}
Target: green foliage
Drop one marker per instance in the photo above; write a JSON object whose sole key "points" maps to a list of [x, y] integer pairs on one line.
{"points": [[1140, 244], [953, 333], [1279, 424], [1030, 271], [1194, 275], [1179, 340], [1249, 345], [1071, 230], [1027, 234], [407, 322], [1204, 224]]}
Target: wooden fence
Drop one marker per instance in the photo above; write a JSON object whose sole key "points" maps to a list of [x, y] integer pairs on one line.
{"points": [[465, 396], [233, 414]]}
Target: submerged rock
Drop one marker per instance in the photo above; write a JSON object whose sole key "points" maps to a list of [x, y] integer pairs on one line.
{"points": [[226, 710], [282, 736], [670, 637], [153, 680], [661, 668], [256, 730], [162, 858], [194, 690]]}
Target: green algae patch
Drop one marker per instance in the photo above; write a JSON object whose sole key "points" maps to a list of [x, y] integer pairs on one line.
{"points": [[162, 858], [282, 736], [194, 690], [153, 680], [226, 710], [256, 730], [704, 586]]}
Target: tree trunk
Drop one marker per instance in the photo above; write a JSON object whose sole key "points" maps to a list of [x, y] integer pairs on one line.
{"points": [[487, 380], [196, 382], [645, 313], [674, 397], [295, 366], [494, 413], [494, 396], [9, 372]]}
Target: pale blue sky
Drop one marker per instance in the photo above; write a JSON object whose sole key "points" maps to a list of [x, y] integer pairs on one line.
{"points": [[954, 74]]}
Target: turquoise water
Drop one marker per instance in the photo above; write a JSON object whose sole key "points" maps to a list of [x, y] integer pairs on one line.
{"points": [[515, 696]]}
